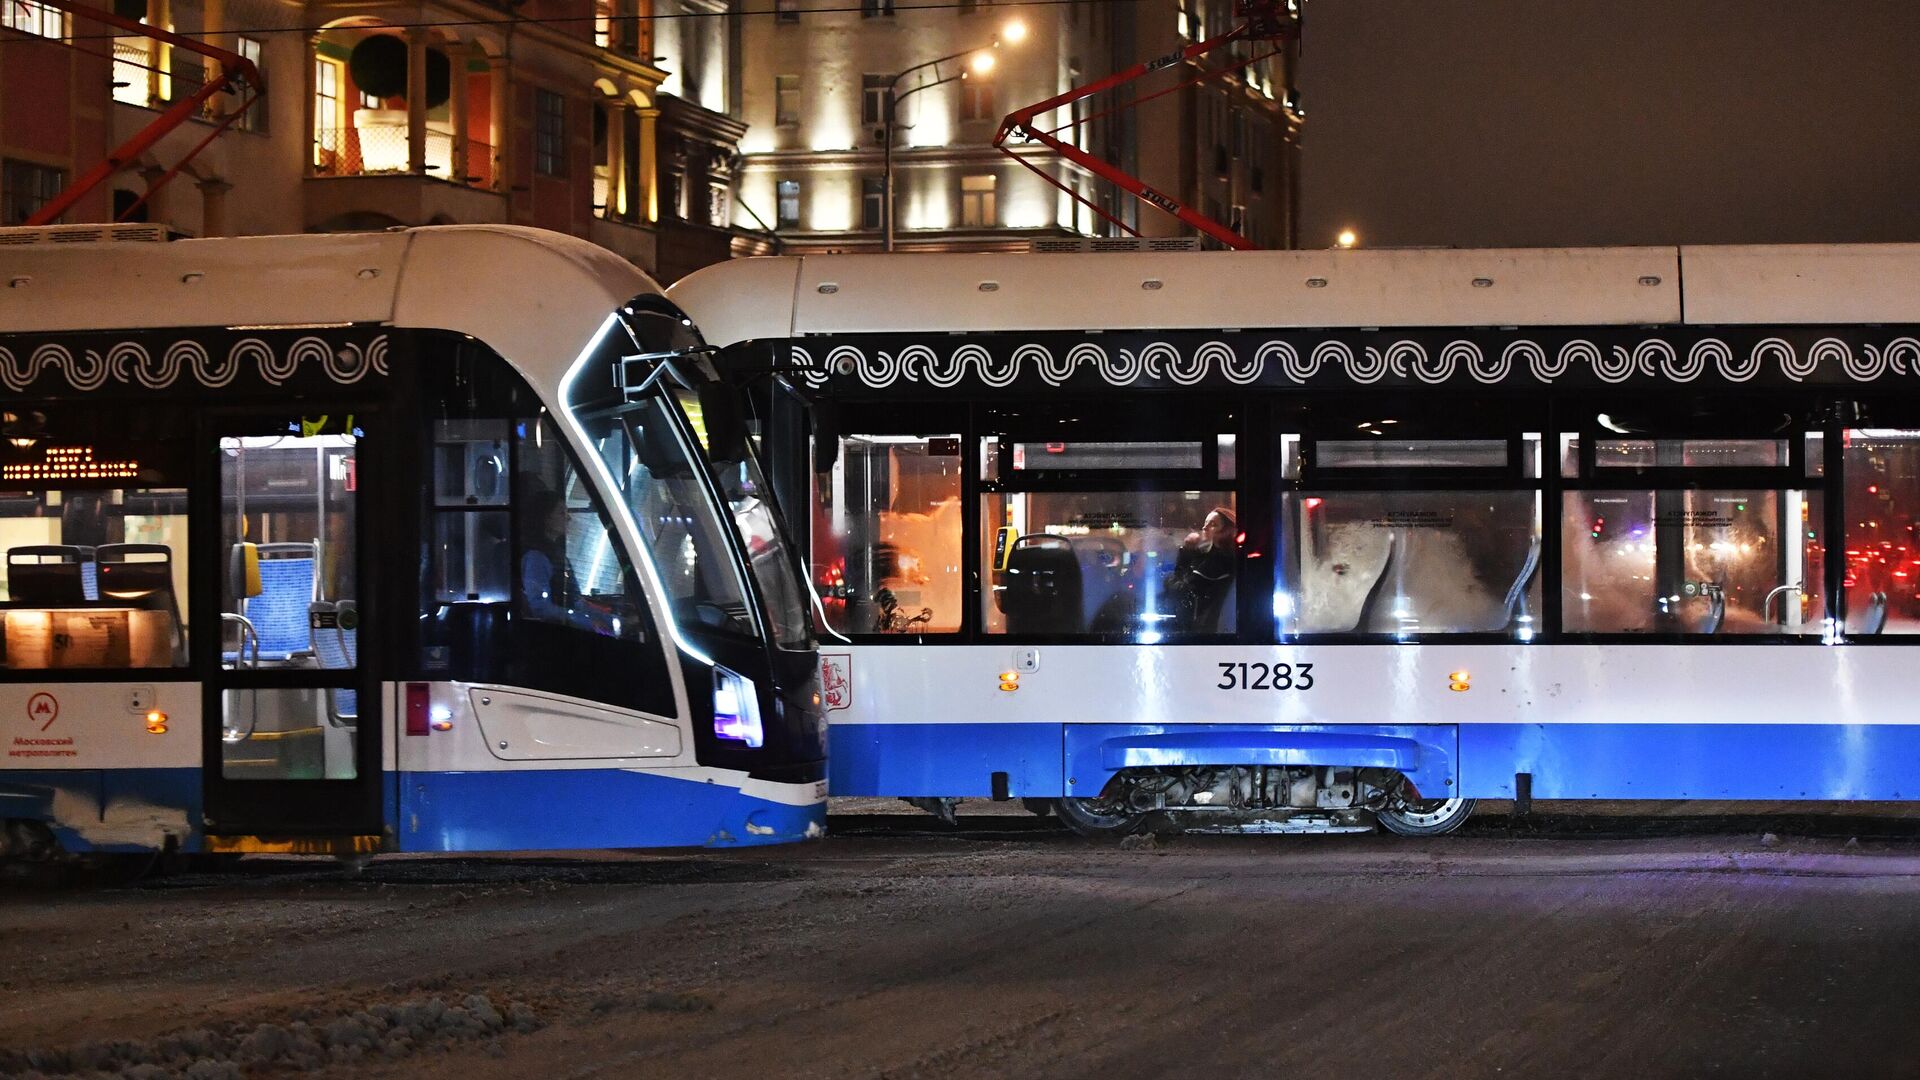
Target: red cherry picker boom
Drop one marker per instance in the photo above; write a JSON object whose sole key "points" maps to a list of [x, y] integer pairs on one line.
{"points": [[237, 73], [1257, 21]]}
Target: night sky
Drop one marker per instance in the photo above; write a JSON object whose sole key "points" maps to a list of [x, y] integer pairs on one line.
{"points": [[1476, 123]]}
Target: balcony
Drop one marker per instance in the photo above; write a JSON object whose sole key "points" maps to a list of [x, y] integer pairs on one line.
{"points": [[361, 174]]}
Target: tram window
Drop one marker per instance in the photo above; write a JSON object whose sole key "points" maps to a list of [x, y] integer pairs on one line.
{"points": [[287, 510], [1142, 564], [887, 535], [1290, 457], [1883, 531], [572, 570], [1100, 456], [1692, 561], [1387, 452], [1816, 453], [1634, 453], [57, 607], [1228, 447], [1411, 562], [1569, 454]]}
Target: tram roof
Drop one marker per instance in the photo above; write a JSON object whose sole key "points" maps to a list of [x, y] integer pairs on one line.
{"points": [[536, 297], [818, 295]]}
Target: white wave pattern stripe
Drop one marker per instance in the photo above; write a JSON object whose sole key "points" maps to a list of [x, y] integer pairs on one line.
{"points": [[1221, 355], [1367, 366], [1185, 370], [803, 360], [1543, 367], [1614, 366], [1738, 367], [1468, 355], [1903, 356], [1710, 351], [1291, 365], [1863, 368], [1088, 353], [1580, 350], [929, 366], [1053, 369], [1793, 365], [186, 356], [1332, 352], [1125, 371]]}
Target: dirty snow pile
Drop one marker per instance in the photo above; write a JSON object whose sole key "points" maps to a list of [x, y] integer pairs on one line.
{"points": [[380, 1032]]}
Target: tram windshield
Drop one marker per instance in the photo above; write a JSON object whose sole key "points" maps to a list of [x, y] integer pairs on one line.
{"points": [[664, 446]]}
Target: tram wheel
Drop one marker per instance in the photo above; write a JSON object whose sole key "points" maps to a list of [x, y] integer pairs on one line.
{"points": [[1434, 817], [1099, 819]]}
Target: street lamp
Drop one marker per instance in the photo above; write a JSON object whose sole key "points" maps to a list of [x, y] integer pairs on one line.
{"points": [[981, 63]]}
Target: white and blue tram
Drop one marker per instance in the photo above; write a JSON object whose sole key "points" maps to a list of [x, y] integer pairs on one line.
{"points": [[442, 539], [1300, 540]]}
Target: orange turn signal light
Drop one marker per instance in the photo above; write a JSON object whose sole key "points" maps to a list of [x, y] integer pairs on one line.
{"points": [[157, 722], [1009, 680], [1459, 681]]}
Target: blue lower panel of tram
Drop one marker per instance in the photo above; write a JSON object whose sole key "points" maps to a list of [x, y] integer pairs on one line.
{"points": [[589, 808], [1566, 761], [135, 810]]}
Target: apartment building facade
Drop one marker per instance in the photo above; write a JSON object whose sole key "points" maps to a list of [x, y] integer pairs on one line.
{"points": [[815, 90], [543, 113]]}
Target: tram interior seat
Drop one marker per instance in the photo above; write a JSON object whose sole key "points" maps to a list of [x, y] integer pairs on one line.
{"points": [[1875, 619], [336, 645], [279, 610], [142, 575], [1061, 585], [49, 575]]}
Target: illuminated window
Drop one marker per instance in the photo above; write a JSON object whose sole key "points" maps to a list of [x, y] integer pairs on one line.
{"points": [[255, 118], [32, 18], [329, 136], [873, 202], [133, 70], [787, 212], [976, 101], [786, 100], [888, 540], [873, 98], [978, 207], [549, 133], [25, 187], [603, 23]]}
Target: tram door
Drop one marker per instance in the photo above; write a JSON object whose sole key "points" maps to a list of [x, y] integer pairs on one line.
{"points": [[292, 712]]}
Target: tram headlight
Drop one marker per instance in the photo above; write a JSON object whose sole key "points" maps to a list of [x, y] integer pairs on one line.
{"points": [[736, 709]]}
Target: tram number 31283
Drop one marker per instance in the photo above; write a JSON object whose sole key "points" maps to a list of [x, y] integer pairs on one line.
{"points": [[1265, 677]]}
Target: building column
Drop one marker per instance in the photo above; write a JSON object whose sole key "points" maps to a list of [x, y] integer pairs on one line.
{"points": [[616, 159], [417, 100], [457, 112], [213, 206], [650, 165], [156, 204], [311, 135], [501, 106]]}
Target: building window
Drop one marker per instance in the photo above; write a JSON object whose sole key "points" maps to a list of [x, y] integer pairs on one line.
{"points": [[25, 188], [603, 23], [873, 98], [873, 202], [32, 18], [787, 209], [871, 9], [787, 11], [255, 118], [976, 102], [549, 133], [786, 100], [329, 138], [977, 201]]}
